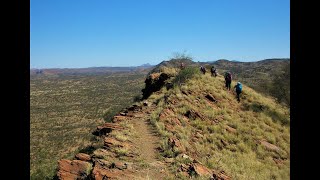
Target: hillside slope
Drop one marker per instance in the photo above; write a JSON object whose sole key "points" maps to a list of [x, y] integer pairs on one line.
{"points": [[201, 132]]}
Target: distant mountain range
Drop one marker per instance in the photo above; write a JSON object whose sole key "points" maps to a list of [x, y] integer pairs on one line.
{"points": [[91, 70], [221, 63]]}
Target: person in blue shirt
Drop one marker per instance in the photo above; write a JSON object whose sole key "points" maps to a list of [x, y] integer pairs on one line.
{"points": [[238, 88]]}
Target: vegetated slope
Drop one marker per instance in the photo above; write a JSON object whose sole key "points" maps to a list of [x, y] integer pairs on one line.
{"points": [[246, 140], [202, 132], [262, 76], [64, 109], [270, 76]]}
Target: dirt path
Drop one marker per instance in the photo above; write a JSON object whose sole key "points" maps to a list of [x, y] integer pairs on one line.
{"points": [[146, 142]]}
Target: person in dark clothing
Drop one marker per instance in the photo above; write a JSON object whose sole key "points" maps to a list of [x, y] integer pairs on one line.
{"points": [[182, 65], [228, 79], [238, 88], [203, 69], [213, 71]]}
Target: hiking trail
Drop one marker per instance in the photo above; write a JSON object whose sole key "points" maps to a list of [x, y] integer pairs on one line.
{"points": [[145, 140]]}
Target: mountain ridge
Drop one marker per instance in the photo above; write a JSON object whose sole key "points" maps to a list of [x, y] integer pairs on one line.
{"points": [[203, 131]]}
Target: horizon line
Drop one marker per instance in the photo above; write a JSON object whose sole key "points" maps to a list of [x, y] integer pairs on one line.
{"points": [[148, 64]]}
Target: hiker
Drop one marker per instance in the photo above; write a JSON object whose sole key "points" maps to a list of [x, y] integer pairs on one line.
{"points": [[182, 66], [228, 79], [238, 87], [203, 70], [213, 71]]}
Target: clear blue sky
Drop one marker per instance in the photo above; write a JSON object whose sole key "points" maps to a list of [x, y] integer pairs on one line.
{"points": [[83, 33]]}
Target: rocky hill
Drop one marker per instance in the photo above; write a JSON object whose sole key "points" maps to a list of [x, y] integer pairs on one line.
{"points": [[189, 126]]}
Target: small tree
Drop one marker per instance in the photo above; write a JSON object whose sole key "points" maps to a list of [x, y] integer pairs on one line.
{"points": [[184, 75], [181, 56]]}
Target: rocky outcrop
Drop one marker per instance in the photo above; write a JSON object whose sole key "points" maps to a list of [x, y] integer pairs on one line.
{"points": [[101, 173], [106, 128], [175, 143], [73, 169], [83, 157], [191, 114], [198, 169], [153, 83]]}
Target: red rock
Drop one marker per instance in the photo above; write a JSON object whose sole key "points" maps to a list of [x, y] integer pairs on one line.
{"points": [[168, 112], [200, 169], [110, 142], [83, 157], [230, 129], [130, 114], [184, 167], [100, 173], [169, 127], [174, 142], [211, 98], [162, 116], [154, 76], [73, 169], [278, 161], [175, 121], [119, 165], [193, 115], [219, 176], [225, 143], [102, 162], [118, 118], [106, 128], [269, 146]]}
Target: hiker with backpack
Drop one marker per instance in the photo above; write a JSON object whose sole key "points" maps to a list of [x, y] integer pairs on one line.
{"points": [[203, 69], [213, 71], [228, 79], [238, 88]]}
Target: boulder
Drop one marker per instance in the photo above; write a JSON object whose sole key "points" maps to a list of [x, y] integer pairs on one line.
{"points": [[174, 142], [73, 169], [101, 173], [200, 169], [119, 165], [211, 98], [83, 157], [154, 82], [269, 146], [219, 176], [102, 154], [106, 128], [111, 142], [191, 114]]}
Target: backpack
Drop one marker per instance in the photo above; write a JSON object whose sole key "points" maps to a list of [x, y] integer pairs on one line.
{"points": [[228, 76], [239, 87], [213, 70]]}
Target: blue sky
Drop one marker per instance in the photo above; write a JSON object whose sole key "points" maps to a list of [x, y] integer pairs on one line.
{"points": [[83, 33]]}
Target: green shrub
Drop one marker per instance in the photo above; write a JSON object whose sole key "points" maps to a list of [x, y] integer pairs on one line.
{"points": [[184, 75]]}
